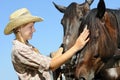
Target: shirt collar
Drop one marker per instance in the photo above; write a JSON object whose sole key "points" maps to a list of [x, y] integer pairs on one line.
{"points": [[18, 43]]}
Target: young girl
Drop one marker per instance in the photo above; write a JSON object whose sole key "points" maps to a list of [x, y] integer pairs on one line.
{"points": [[27, 60]]}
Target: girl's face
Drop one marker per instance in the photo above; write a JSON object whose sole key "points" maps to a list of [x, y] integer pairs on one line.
{"points": [[27, 31]]}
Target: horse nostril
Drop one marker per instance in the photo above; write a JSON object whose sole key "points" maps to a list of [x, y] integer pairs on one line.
{"points": [[62, 45], [82, 78]]}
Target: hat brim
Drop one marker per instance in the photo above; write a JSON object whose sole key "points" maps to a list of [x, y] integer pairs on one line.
{"points": [[19, 22]]}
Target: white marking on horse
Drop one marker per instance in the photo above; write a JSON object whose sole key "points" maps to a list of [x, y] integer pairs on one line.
{"points": [[113, 72], [67, 40]]}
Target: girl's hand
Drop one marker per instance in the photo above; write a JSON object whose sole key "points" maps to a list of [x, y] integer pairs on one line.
{"points": [[57, 53], [82, 39]]}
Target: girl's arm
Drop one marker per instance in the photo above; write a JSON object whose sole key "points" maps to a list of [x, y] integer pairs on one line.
{"points": [[79, 44]]}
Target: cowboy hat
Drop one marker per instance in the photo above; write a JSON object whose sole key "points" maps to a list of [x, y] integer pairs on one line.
{"points": [[18, 18]]}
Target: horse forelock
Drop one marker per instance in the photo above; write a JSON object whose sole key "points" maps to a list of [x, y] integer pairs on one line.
{"points": [[75, 9], [71, 10]]}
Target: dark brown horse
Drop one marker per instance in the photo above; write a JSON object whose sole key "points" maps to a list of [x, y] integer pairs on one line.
{"points": [[73, 15], [101, 55]]}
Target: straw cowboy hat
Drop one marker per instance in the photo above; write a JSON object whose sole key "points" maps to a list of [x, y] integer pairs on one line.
{"points": [[18, 18]]}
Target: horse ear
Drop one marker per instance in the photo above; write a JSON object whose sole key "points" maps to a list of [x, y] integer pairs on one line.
{"points": [[87, 5], [101, 8], [89, 2], [60, 8]]}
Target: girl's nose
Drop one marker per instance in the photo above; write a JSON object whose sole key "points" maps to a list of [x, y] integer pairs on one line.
{"points": [[33, 29]]}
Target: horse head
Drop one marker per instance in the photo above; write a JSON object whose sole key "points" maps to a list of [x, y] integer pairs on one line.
{"points": [[73, 15], [71, 21]]}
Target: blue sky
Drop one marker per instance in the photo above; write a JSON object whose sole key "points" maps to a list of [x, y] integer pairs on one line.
{"points": [[48, 35]]}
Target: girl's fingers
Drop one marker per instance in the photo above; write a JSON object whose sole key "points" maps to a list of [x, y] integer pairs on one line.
{"points": [[85, 33]]}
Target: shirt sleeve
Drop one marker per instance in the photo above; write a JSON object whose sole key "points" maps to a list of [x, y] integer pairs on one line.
{"points": [[33, 60]]}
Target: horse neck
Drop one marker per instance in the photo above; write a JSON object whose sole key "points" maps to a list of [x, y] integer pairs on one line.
{"points": [[116, 13]]}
